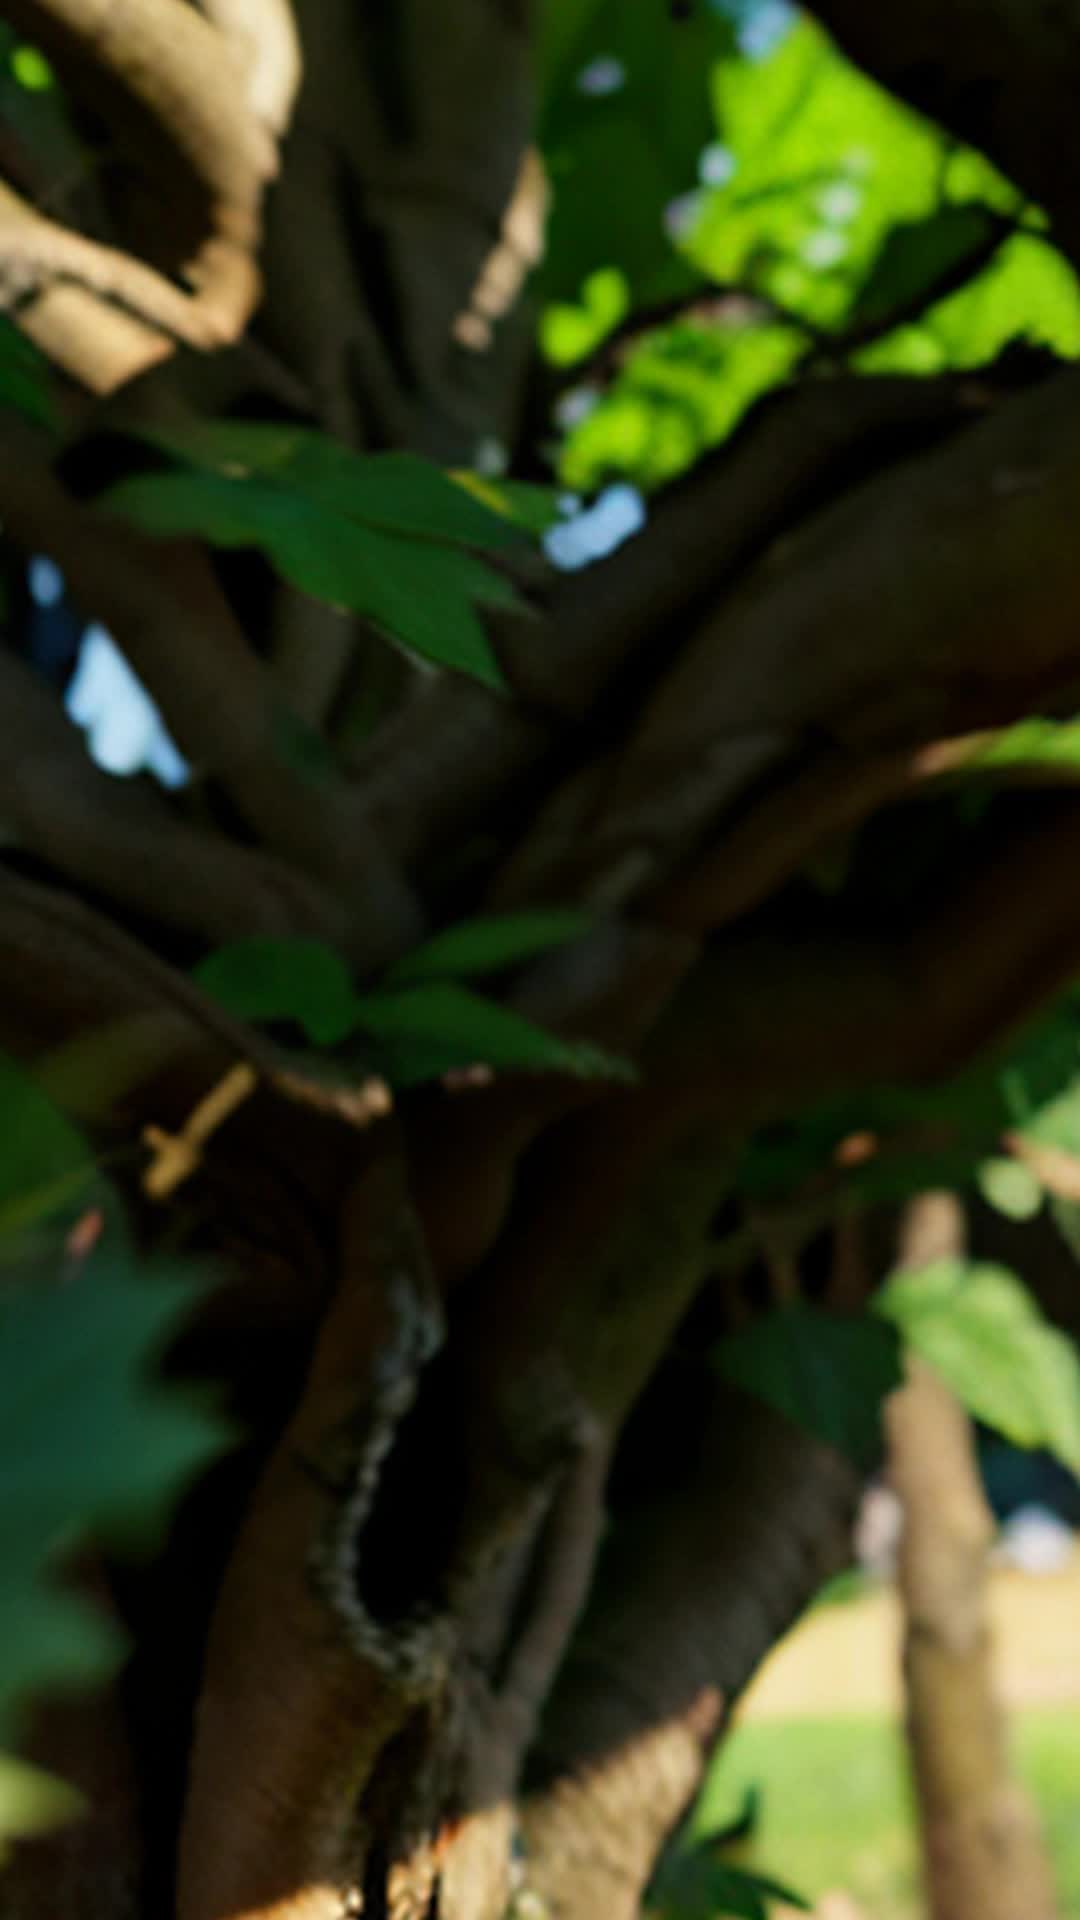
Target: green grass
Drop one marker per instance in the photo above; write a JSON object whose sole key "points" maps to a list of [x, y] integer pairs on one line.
{"points": [[835, 1808]]}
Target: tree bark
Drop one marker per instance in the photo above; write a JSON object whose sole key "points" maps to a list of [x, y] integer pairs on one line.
{"points": [[981, 1842], [435, 1325]]}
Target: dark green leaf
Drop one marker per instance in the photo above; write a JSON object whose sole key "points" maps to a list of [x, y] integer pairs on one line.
{"points": [[979, 1328], [617, 159], [397, 492], [425, 1031], [691, 1885], [530, 507], [918, 258], [46, 1168], [420, 592], [88, 1442], [828, 1373], [24, 377], [263, 978], [488, 945]]}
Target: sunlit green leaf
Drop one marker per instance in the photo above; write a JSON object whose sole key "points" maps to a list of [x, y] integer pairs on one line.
{"points": [[569, 330], [1010, 1187], [1032, 742], [980, 1329], [827, 1372], [31, 69], [681, 392], [33, 1802]]}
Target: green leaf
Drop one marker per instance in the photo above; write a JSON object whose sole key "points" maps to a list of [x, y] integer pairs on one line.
{"points": [[534, 509], [46, 1168], [488, 945], [89, 1443], [33, 1802], [1065, 1215], [387, 535], [1032, 742], [617, 159], [826, 1372], [32, 70], [24, 376], [267, 978], [692, 1885], [979, 1328], [915, 257], [420, 593], [397, 492], [1010, 1187], [425, 1031], [572, 329]]}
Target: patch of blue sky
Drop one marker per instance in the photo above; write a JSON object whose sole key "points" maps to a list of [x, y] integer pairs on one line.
{"points": [[124, 730]]}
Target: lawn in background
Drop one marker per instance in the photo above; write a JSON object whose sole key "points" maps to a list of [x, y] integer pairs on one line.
{"points": [[835, 1810]]}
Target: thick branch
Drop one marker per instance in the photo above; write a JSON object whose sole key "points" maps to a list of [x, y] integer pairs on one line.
{"points": [[265, 33], [100, 312], [449, 756], [887, 622], [304, 1686], [1000, 73], [697, 1580]]}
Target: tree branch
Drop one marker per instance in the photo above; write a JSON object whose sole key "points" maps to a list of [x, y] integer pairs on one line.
{"points": [[219, 111], [119, 837], [164, 607], [608, 630], [265, 33], [999, 73], [743, 1518], [303, 1685], [859, 629]]}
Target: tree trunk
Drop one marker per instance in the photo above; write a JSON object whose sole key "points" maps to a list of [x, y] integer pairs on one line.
{"points": [[981, 1843], [459, 1618]]}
